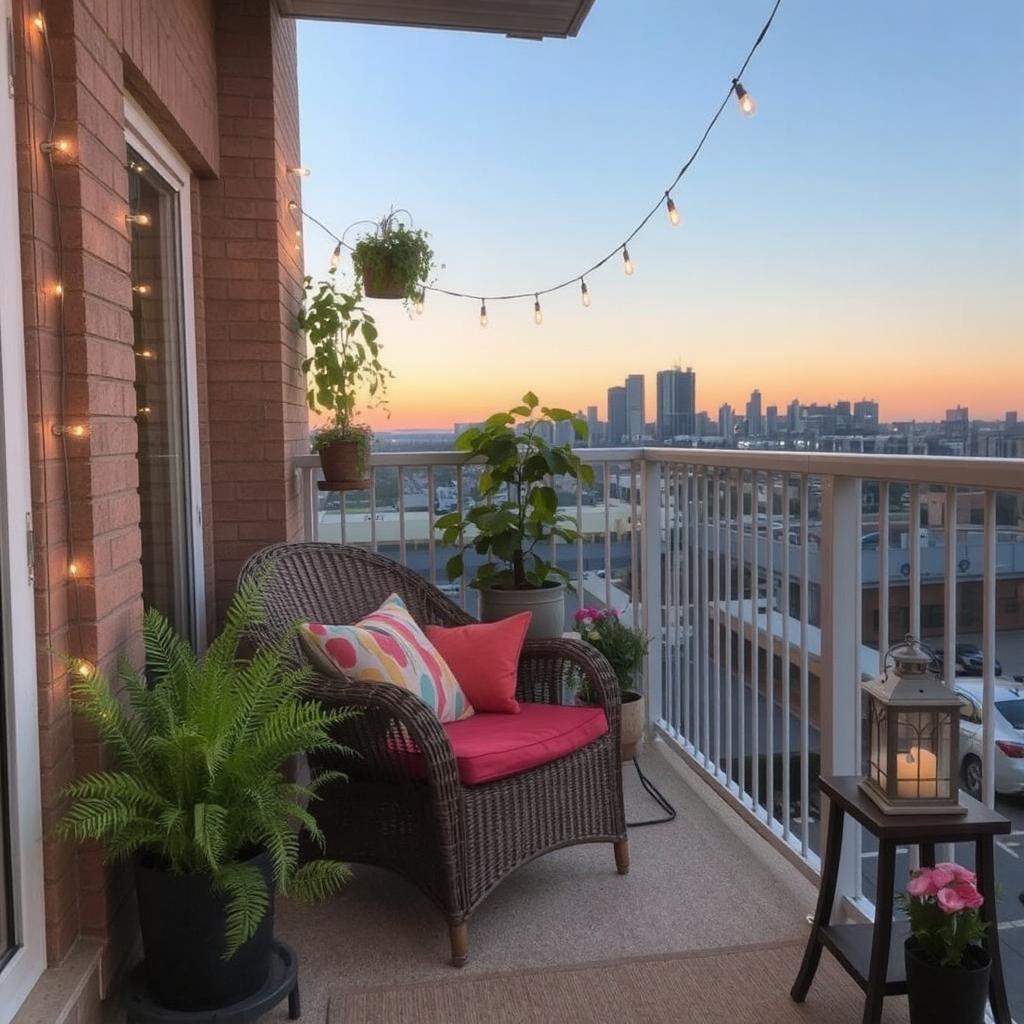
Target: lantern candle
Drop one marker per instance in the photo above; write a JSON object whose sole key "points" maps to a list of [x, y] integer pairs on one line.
{"points": [[916, 774]]}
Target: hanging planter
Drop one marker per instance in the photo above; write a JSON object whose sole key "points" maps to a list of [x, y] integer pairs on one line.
{"points": [[393, 262]]}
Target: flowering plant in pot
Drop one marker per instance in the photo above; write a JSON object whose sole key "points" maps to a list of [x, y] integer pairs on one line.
{"points": [[344, 361], [393, 262], [197, 797], [517, 514], [624, 647], [947, 964]]}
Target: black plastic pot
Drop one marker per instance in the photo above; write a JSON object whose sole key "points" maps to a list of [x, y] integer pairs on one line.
{"points": [[183, 924], [946, 995]]}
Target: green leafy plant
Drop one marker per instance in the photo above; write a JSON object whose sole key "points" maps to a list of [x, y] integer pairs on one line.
{"points": [[623, 646], [197, 785], [518, 512], [394, 256], [344, 361]]}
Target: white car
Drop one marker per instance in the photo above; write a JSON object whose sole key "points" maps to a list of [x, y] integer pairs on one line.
{"points": [[1009, 722]]}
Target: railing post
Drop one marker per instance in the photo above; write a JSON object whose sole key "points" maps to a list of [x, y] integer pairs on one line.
{"points": [[839, 685], [651, 582]]}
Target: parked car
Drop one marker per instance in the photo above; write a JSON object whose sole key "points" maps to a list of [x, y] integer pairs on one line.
{"points": [[1009, 726], [968, 660]]}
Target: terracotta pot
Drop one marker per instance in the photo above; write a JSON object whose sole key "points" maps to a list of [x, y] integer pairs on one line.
{"points": [[631, 734], [341, 464], [547, 605], [382, 283]]}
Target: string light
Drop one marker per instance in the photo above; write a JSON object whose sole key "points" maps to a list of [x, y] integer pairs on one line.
{"points": [[142, 219], [673, 213], [584, 293], [336, 259], [141, 289], [146, 353], [664, 201], [417, 306], [39, 21], [73, 569], [300, 172], [538, 316], [746, 102], [56, 146], [83, 668], [58, 290], [76, 430], [144, 410]]}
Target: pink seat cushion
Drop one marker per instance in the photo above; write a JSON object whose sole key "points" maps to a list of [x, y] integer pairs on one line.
{"points": [[492, 746]]}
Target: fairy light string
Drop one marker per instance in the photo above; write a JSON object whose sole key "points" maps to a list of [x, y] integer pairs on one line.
{"points": [[747, 107]]}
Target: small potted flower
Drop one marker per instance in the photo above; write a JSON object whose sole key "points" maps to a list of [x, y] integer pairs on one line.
{"points": [[947, 964], [624, 647]]}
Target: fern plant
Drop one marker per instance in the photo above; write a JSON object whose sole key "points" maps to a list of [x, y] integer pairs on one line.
{"points": [[197, 784]]}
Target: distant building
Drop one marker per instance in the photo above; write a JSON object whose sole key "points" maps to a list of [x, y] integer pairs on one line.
{"points": [[636, 426], [957, 424], [865, 416], [677, 400], [795, 417], [771, 420], [702, 425], [594, 432], [726, 421], [617, 423], [755, 426]]}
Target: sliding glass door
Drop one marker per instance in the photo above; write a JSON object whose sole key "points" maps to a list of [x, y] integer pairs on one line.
{"points": [[165, 381]]}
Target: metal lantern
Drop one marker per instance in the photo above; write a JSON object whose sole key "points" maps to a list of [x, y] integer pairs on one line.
{"points": [[913, 722]]}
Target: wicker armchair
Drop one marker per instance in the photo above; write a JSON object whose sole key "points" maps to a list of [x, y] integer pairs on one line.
{"points": [[456, 842]]}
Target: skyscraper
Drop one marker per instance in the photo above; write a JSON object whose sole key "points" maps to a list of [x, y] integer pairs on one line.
{"points": [[726, 420], [865, 415], [635, 423], [594, 438], [617, 425], [795, 417], [677, 401], [754, 421], [771, 419]]}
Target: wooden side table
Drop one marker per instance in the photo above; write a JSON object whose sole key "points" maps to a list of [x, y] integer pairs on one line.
{"points": [[873, 954]]}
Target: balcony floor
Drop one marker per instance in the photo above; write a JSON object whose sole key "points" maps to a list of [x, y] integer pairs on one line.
{"points": [[704, 882]]}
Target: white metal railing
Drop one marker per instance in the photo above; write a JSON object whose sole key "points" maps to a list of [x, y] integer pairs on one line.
{"points": [[746, 569]]}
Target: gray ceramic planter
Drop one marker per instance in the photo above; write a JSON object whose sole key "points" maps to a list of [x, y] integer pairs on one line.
{"points": [[547, 604]]}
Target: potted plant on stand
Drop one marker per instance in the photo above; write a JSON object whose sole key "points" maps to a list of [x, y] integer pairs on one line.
{"points": [[394, 261], [518, 515], [624, 647], [947, 965], [345, 360], [197, 797]]}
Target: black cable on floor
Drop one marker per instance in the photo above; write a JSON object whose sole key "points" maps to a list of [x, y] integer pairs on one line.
{"points": [[657, 796]]}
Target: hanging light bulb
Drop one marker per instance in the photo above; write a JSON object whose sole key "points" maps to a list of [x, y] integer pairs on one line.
{"points": [[417, 306], [56, 146], [538, 316], [627, 263], [141, 289], [483, 313], [39, 21], [300, 172], [73, 570], [584, 293], [673, 214], [83, 668], [146, 353], [746, 102], [142, 219], [336, 257], [58, 289]]}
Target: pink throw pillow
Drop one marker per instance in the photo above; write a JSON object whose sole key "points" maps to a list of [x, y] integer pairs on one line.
{"points": [[485, 659]]}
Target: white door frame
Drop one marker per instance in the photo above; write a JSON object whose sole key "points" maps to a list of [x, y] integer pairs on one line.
{"points": [[144, 136], [22, 971]]}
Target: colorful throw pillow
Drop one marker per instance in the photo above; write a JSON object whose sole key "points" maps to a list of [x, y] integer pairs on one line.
{"points": [[389, 647], [485, 659]]}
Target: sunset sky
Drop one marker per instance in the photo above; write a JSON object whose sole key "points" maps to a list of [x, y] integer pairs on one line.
{"points": [[861, 236]]}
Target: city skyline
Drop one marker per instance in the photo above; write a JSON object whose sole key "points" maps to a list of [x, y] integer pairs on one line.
{"points": [[845, 239]]}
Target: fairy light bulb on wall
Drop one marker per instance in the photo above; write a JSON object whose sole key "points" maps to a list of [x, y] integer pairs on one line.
{"points": [[300, 172], [584, 293], [141, 219], [58, 289], [743, 98], [336, 257], [83, 668], [56, 146], [627, 263], [39, 22], [141, 289], [73, 570], [673, 214], [483, 313], [538, 316]]}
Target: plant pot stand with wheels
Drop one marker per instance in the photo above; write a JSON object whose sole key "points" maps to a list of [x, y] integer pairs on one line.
{"points": [[873, 954], [282, 981]]}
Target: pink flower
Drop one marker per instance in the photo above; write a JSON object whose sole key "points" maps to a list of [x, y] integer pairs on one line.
{"points": [[586, 615], [968, 894], [943, 874], [922, 884], [950, 900], [960, 873]]}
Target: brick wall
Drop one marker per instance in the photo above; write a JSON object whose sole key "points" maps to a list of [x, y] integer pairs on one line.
{"points": [[252, 270], [226, 100]]}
